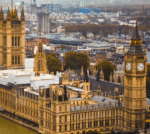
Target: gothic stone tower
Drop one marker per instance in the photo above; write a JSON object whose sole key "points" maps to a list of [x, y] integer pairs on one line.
{"points": [[40, 63], [135, 85], [12, 39]]}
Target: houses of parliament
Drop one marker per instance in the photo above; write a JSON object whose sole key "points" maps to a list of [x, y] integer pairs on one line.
{"points": [[69, 104]]}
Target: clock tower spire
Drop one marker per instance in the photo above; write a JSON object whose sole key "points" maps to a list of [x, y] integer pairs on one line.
{"points": [[135, 85]]}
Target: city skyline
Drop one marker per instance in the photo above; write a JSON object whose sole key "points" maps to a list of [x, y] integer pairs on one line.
{"points": [[65, 2]]}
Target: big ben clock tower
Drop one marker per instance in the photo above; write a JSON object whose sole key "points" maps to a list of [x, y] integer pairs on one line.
{"points": [[135, 68]]}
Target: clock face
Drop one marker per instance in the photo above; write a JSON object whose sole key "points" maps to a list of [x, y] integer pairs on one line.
{"points": [[128, 66], [140, 67]]}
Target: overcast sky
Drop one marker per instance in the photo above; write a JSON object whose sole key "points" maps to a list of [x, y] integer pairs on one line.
{"points": [[100, 2]]}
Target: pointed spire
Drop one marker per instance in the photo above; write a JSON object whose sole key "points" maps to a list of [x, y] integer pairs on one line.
{"points": [[8, 15], [88, 72], [22, 11], [8, 12], [22, 15], [15, 11], [1, 9], [101, 72], [40, 34], [1, 14], [40, 45], [110, 78], [82, 73], [135, 32], [40, 37], [12, 12]]}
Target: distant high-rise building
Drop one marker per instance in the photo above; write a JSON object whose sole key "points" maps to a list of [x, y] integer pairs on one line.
{"points": [[54, 8], [43, 22], [34, 1], [82, 3], [11, 3]]}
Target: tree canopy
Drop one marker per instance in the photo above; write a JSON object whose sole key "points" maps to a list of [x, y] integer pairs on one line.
{"points": [[63, 47], [107, 68], [106, 29], [95, 29], [76, 60], [53, 64]]}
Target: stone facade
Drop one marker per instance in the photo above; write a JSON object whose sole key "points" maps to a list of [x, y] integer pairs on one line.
{"points": [[72, 107]]}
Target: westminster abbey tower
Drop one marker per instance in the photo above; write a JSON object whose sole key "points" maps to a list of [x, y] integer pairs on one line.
{"points": [[12, 36]]}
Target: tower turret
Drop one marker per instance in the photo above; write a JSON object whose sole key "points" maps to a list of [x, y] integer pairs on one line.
{"points": [[22, 14], [101, 74], [86, 85], [1, 14], [99, 91], [82, 73], [15, 13], [12, 33], [8, 18]]}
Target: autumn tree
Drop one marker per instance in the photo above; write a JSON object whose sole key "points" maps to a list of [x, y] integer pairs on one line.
{"points": [[75, 60], [95, 29], [53, 64], [63, 47], [107, 68]]}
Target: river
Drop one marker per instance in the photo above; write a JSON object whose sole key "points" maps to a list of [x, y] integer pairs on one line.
{"points": [[9, 127]]}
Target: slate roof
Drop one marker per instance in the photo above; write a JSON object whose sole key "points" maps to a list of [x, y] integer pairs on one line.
{"points": [[102, 102], [76, 98], [135, 50], [101, 99], [105, 86], [73, 77], [76, 77]]}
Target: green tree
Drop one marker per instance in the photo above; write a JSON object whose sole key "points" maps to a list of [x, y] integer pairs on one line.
{"points": [[92, 132], [107, 68], [75, 60], [53, 63]]}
